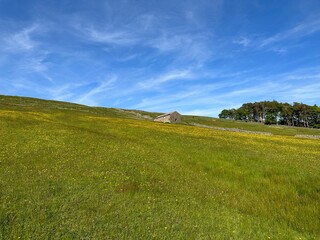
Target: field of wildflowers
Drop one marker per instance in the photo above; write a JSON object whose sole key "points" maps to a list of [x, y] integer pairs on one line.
{"points": [[69, 172]]}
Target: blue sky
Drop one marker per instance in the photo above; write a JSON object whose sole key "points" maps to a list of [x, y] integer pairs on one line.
{"points": [[194, 56]]}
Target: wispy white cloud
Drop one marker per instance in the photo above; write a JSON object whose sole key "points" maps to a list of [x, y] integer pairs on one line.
{"points": [[90, 97], [190, 95], [243, 41], [303, 29], [113, 37], [307, 92], [28, 53], [210, 99], [22, 40], [160, 102], [280, 42], [143, 33], [194, 47], [166, 77], [146, 22], [128, 57], [63, 92], [202, 112], [33, 63]]}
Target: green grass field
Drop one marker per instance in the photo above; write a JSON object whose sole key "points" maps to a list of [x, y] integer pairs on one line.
{"points": [[252, 126], [69, 171]]}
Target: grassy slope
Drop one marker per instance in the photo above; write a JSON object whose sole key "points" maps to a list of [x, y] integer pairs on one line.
{"points": [[35, 104], [251, 126], [70, 171], [25, 104]]}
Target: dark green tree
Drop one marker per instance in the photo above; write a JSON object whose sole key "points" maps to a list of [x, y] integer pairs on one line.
{"points": [[273, 112]]}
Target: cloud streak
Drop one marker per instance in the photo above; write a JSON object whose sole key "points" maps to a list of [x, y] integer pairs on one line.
{"points": [[22, 40], [165, 78], [301, 30], [89, 98], [110, 36]]}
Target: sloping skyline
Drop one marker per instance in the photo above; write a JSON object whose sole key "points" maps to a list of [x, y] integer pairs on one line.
{"points": [[196, 57]]}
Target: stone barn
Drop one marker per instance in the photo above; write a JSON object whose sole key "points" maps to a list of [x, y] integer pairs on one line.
{"points": [[173, 117]]}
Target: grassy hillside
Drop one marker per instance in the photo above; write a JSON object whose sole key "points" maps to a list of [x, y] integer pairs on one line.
{"points": [[252, 126], [70, 171], [35, 104]]}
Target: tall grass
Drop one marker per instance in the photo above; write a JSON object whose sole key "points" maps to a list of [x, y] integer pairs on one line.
{"points": [[82, 174]]}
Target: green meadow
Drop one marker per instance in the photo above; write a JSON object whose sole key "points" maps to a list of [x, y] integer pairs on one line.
{"points": [[252, 126], [68, 171]]}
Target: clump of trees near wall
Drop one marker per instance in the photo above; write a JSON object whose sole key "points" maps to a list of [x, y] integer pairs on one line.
{"points": [[273, 112]]}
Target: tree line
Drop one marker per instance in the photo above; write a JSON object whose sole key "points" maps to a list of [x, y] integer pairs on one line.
{"points": [[273, 112]]}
